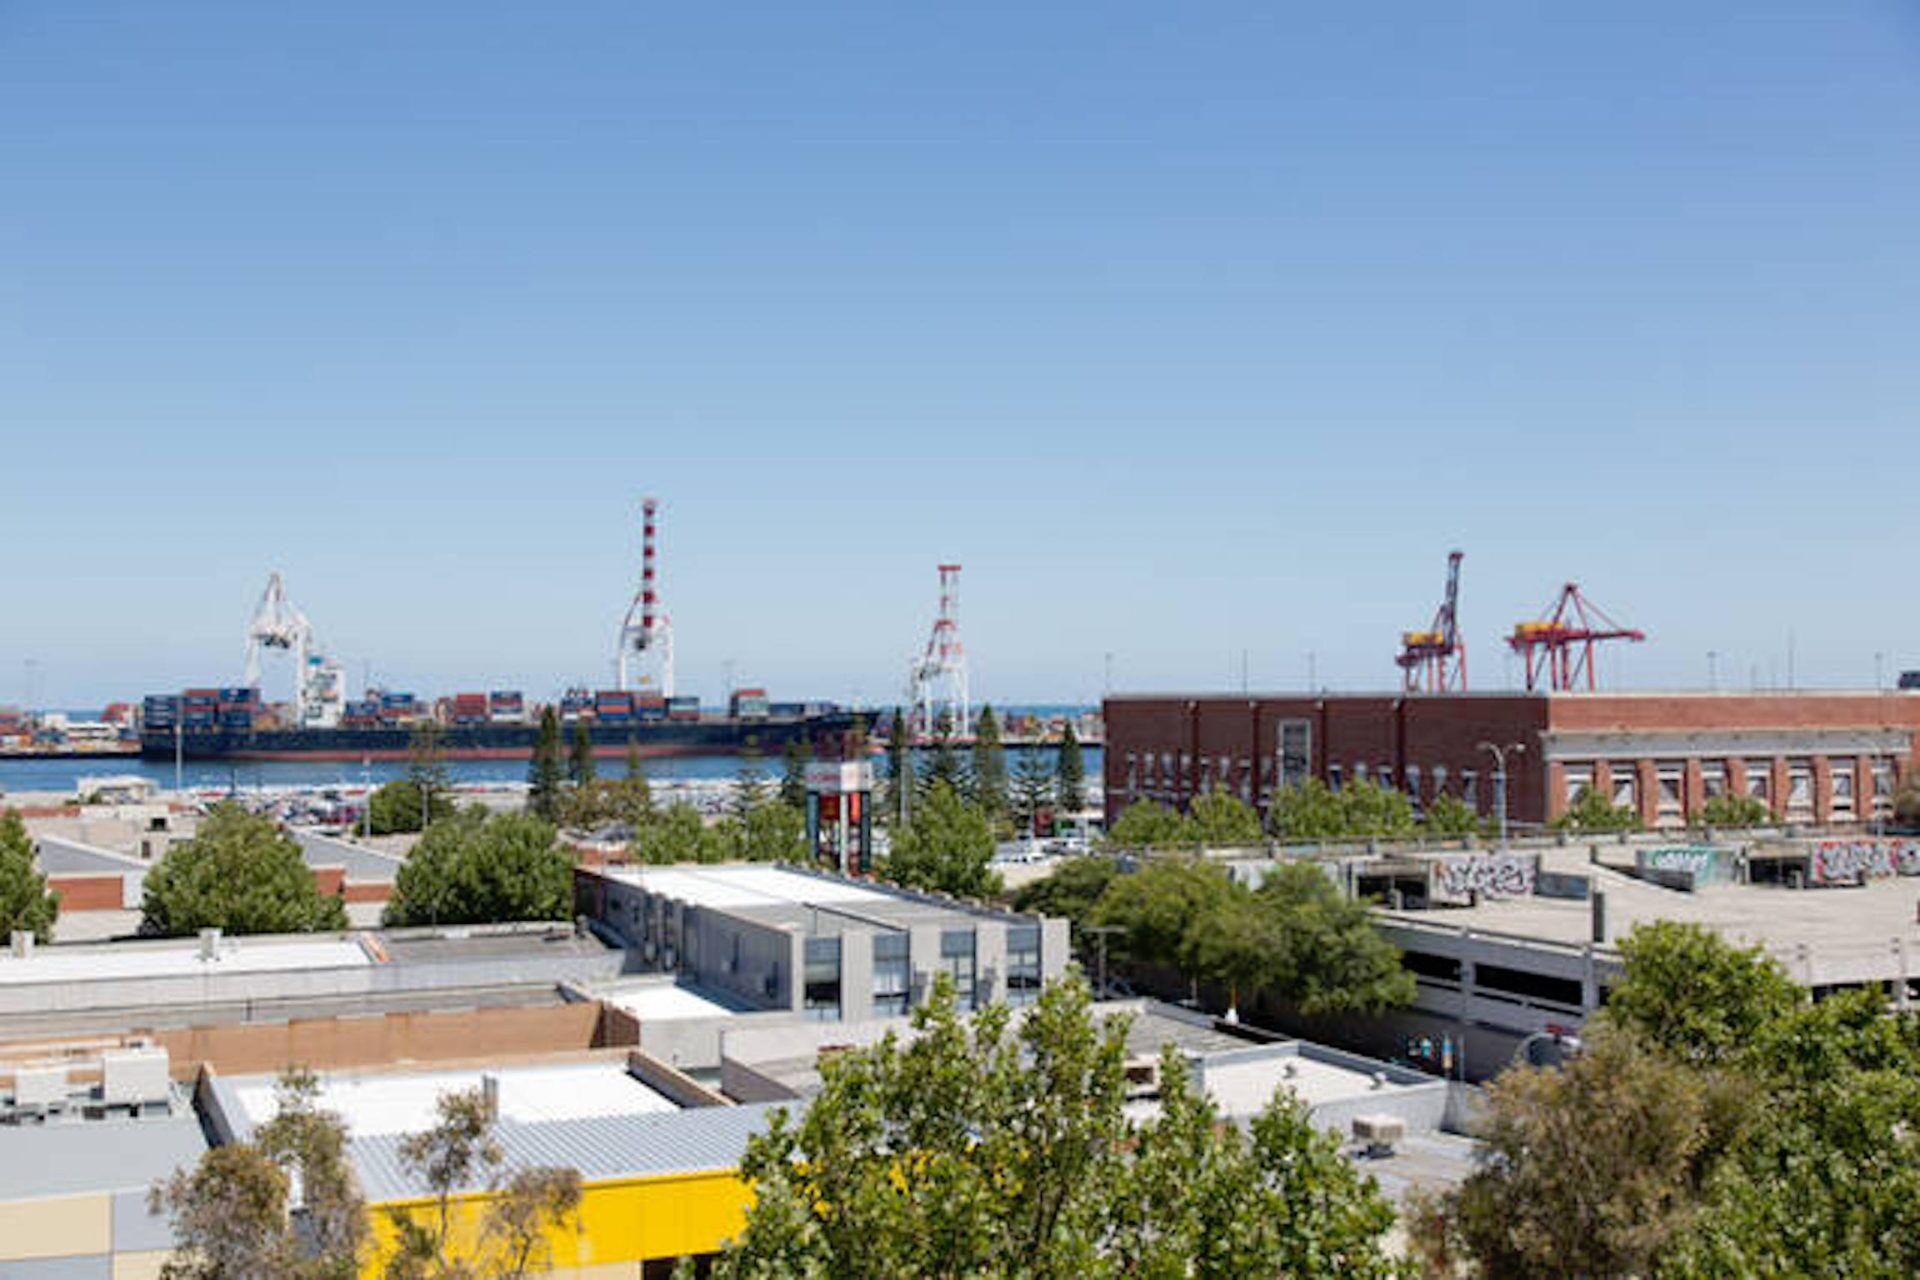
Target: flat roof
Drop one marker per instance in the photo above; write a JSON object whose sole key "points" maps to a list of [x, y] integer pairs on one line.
{"points": [[72, 1157], [746, 885], [179, 957], [667, 1002], [389, 1102]]}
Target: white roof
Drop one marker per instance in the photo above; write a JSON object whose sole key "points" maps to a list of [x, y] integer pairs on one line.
{"points": [[665, 1002], [385, 1103], [101, 963], [746, 886]]}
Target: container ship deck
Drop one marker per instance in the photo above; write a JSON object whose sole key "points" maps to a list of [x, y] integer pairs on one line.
{"points": [[708, 735]]}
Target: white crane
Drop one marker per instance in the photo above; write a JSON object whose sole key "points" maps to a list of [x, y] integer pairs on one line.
{"points": [[937, 679], [319, 683], [646, 634]]}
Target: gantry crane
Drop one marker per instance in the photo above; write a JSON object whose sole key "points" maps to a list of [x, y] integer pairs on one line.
{"points": [[1435, 660], [1559, 650]]}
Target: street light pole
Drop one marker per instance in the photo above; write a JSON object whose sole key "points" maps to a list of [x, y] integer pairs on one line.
{"points": [[1500, 780]]}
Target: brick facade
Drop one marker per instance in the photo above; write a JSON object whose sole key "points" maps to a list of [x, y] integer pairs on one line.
{"points": [[1816, 755]]}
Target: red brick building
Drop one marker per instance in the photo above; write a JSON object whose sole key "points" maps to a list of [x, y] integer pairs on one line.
{"points": [[1813, 757]]}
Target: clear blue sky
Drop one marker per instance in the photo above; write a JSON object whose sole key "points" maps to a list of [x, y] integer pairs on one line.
{"points": [[1188, 329]]}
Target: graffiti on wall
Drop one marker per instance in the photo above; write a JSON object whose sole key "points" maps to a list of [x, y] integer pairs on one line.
{"points": [[1862, 858], [1488, 875], [1704, 862]]}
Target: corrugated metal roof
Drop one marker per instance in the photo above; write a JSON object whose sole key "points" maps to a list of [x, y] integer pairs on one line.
{"points": [[603, 1148]]}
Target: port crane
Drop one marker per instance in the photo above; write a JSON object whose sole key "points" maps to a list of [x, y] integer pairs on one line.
{"points": [[1558, 651], [319, 683], [646, 634], [1435, 660], [937, 679]]}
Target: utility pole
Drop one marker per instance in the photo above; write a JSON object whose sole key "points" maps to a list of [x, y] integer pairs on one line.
{"points": [[1100, 932], [1500, 780]]}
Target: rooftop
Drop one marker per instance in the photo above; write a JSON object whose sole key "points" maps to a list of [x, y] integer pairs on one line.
{"points": [[178, 957], [667, 1001], [78, 1156], [786, 896]]}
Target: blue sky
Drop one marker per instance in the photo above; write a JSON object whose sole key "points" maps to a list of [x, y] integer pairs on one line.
{"points": [[1189, 330]]}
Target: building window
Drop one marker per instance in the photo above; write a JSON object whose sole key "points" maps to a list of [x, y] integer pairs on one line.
{"points": [[1626, 790], [1760, 780], [1413, 788], [1296, 751], [1439, 780], [956, 959], [823, 980], [1470, 789], [1882, 788], [1800, 790], [1359, 771], [1333, 776], [892, 978], [1133, 773], [1842, 806], [1578, 781], [1713, 779], [1023, 964], [1670, 779]]}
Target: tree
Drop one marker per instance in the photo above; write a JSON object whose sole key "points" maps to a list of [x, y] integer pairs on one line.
{"points": [[946, 848], [1308, 810], [1032, 790], [1730, 810], [230, 1214], [580, 769], [1157, 907], [679, 834], [1220, 819], [1906, 801], [772, 831], [749, 786], [1591, 811], [1070, 891], [1695, 996], [989, 766], [793, 773], [1070, 773], [543, 771], [626, 799], [460, 1155], [395, 807], [1594, 1165], [945, 765], [25, 901], [1145, 824], [427, 771], [976, 1148], [1449, 817], [238, 873], [479, 869], [1369, 808], [1328, 957]]}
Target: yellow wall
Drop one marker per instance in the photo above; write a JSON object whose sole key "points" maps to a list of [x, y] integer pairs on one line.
{"points": [[620, 1224], [56, 1227]]}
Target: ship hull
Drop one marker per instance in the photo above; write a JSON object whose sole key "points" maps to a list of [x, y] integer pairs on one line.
{"points": [[652, 739]]}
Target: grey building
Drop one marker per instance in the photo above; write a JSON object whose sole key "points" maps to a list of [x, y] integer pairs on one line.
{"points": [[831, 948]]}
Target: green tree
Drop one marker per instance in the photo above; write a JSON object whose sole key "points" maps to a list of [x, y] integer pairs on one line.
{"points": [[427, 771], [793, 773], [1328, 956], [230, 1214], [479, 868], [1370, 808], [461, 1154], [989, 766], [544, 770], [1307, 811], [978, 1149], [396, 807], [1145, 824], [25, 901], [679, 834], [1219, 819], [772, 831], [1032, 793], [1069, 891], [1730, 810], [946, 848], [1449, 817], [1594, 1166], [1591, 811], [238, 873], [1695, 996], [945, 765], [749, 786], [1070, 773], [580, 770], [1158, 906], [626, 799]]}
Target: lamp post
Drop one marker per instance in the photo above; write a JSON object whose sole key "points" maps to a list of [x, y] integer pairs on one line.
{"points": [[1500, 780]]}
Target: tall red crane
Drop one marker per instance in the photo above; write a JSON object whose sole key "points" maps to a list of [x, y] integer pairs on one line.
{"points": [[1435, 660], [1559, 650]]}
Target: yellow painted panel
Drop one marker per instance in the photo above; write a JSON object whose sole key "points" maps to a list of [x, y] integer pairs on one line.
{"points": [[620, 1224], [140, 1266], [55, 1227]]}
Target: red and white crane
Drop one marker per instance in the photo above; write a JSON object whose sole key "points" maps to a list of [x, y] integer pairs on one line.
{"points": [[937, 679], [1435, 660], [645, 650], [1558, 651]]}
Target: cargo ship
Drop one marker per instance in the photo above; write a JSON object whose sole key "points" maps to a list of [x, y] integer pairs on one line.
{"points": [[233, 724]]}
